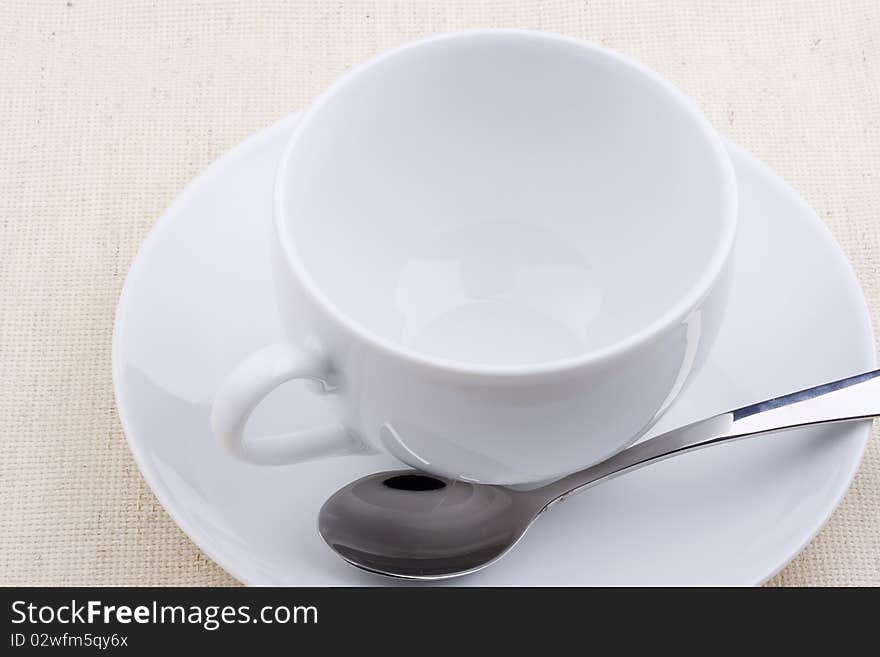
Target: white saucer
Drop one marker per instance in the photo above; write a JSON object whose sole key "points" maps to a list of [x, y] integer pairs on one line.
{"points": [[198, 298]]}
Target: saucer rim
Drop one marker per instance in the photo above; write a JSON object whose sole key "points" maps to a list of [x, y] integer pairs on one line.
{"points": [[213, 168], [864, 425]]}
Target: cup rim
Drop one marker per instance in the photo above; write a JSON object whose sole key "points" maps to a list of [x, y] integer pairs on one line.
{"points": [[675, 314]]}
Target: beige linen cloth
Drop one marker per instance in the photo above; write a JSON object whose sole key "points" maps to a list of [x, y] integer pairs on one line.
{"points": [[107, 109]]}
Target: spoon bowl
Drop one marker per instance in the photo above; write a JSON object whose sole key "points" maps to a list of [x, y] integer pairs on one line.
{"points": [[417, 526]]}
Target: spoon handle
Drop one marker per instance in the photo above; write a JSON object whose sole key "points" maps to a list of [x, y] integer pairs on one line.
{"points": [[854, 398]]}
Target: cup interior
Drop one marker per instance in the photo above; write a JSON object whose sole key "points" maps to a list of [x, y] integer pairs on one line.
{"points": [[504, 198]]}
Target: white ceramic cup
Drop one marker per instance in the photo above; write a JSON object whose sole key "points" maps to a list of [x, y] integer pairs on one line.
{"points": [[502, 252]]}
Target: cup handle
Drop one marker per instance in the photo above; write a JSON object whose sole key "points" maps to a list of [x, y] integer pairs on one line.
{"points": [[246, 386]]}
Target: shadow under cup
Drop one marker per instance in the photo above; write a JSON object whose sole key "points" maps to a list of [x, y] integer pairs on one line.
{"points": [[503, 199]]}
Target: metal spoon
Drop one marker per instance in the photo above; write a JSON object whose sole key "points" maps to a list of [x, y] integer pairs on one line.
{"points": [[408, 524]]}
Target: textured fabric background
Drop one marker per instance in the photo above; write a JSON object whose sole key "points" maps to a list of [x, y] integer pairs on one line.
{"points": [[108, 108]]}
